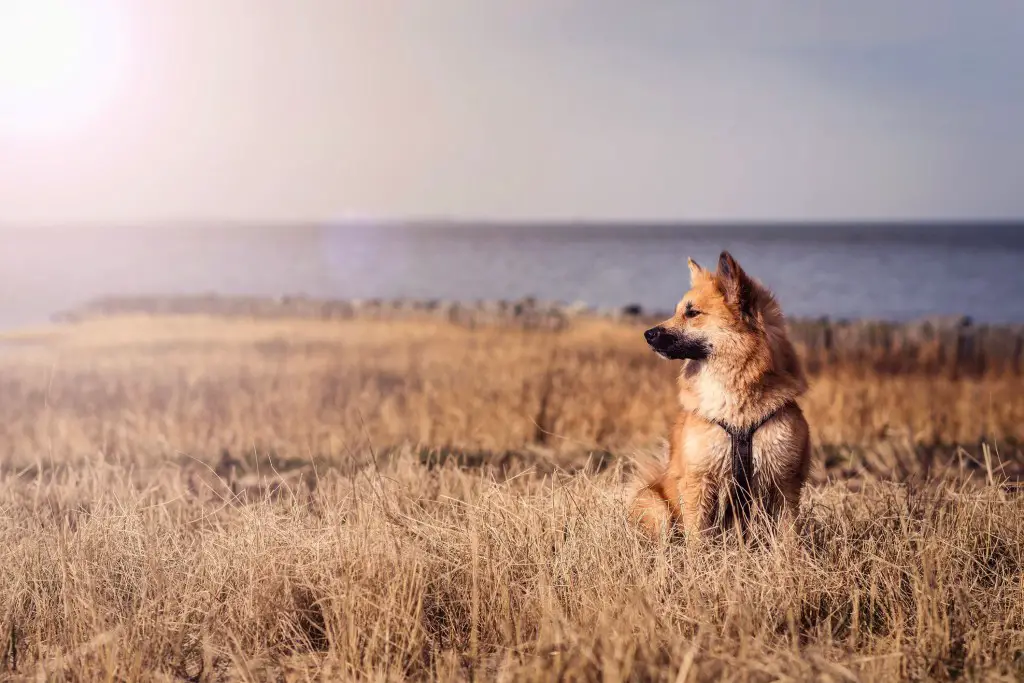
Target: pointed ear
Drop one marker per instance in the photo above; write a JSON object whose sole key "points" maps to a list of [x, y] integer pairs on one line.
{"points": [[696, 272], [737, 287]]}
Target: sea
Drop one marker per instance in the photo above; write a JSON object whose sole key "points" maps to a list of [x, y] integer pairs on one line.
{"points": [[886, 271]]}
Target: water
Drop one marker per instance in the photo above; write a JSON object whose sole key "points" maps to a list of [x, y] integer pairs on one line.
{"points": [[894, 272]]}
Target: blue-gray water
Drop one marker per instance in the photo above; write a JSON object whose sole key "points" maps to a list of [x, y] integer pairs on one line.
{"points": [[893, 272]]}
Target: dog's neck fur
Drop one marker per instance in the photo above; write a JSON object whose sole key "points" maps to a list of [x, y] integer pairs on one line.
{"points": [[741, 386]]}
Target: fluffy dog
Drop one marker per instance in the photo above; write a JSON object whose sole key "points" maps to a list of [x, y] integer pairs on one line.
{"points": [[741, 443]]}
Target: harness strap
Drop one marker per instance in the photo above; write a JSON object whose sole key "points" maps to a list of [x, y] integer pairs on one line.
{"points": [[741, 457]]}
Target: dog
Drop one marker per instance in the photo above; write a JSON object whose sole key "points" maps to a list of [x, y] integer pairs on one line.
{"points": [[741, 443]]}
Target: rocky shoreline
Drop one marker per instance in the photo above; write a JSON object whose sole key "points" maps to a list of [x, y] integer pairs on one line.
{"points": [[524, 313], [951, 345]]}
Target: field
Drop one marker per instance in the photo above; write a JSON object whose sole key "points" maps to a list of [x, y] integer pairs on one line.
{"points": [[190, 498]]}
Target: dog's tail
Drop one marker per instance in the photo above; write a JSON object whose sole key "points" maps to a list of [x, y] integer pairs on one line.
{"points": [[647, 505], [649, 465]]}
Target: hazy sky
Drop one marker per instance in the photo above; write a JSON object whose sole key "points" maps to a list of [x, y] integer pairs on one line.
{"points": [[322, 109]]}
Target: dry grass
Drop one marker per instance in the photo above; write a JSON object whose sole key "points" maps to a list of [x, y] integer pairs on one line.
{"points": [[402, 500]]}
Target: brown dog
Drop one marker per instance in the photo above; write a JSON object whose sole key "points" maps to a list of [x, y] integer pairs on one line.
{"points": [[741, 442]]}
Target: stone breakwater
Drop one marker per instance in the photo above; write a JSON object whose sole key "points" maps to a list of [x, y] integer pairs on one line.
{"points": [[940, 345]]}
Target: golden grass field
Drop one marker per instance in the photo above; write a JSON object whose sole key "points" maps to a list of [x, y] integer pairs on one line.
{"points": [[184, 498]]}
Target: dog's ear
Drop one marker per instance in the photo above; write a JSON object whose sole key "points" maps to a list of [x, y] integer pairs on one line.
{"points": [[737, 287], [696, 272]]}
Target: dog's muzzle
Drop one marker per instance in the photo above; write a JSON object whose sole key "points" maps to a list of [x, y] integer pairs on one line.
{"points": [[676, 345]]}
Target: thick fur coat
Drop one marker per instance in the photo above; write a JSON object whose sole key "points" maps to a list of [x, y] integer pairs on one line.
{"points": [[738, 369]]}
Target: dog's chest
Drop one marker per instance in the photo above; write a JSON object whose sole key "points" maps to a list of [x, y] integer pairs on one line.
{"points": [[706, 395], [712, 449]]}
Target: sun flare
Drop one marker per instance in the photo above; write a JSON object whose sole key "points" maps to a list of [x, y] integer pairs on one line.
{"points": [[59, 65]]}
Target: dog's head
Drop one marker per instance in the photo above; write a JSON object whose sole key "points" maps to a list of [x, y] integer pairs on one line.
{"points": [[717, 313]]}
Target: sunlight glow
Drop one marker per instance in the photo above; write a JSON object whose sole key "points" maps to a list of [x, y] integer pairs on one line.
{"points": [[60, 62]]}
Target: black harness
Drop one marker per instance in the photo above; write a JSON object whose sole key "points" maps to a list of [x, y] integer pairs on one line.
{"points": [[741, 459]]}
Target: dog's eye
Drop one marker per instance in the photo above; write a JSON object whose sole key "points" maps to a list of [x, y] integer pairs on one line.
{"points": [[692, 312]]}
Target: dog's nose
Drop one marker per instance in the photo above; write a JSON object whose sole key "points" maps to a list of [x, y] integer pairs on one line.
{"points": [[652, 334]]}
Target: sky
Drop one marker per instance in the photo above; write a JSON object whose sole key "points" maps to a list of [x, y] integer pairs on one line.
{"points": [[323, 110]]}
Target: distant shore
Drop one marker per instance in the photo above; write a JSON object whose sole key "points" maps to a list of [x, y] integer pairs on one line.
{"points": [[947, 344]]}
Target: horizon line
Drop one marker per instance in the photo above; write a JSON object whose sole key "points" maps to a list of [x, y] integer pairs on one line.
{"points": [[439, 221]]}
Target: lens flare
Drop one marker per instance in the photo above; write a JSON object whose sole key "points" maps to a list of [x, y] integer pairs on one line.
{"points": [[60, 63]]}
